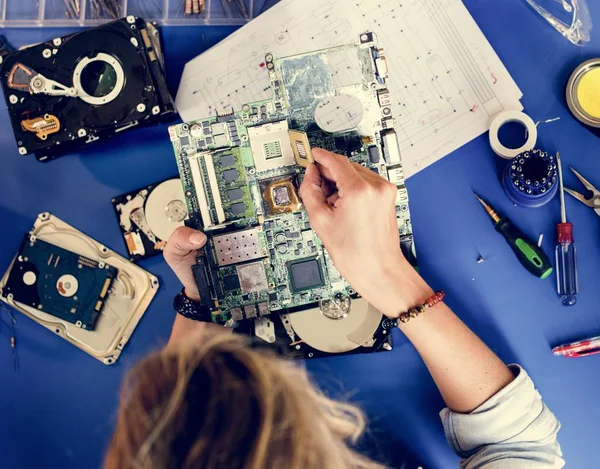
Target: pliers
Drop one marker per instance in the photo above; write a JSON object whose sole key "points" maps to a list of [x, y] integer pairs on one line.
{"points": [[594, 201]]}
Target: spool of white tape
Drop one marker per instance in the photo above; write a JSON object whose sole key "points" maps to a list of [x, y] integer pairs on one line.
{"points": [[504, 118]]}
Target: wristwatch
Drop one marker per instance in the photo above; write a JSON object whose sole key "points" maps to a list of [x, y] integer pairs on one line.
{"points": [[191, 309]]}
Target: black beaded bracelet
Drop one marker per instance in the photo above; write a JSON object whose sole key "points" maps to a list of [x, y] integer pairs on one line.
{"points": [[191, 309]]}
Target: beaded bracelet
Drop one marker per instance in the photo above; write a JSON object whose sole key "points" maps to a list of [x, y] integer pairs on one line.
{"points": [[414, 312]]}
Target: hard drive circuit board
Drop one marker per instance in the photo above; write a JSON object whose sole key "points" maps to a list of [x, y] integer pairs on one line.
{"points": [[241, 171]]}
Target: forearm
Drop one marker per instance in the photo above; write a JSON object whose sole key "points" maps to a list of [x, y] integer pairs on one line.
{"points": [[465, 370], [184, 328]]}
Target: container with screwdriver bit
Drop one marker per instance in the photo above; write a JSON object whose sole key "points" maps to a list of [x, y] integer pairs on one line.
{"points": [[530, 179]]}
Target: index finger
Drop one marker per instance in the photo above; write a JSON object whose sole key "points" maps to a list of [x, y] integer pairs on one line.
{"points": [[334, 167]]}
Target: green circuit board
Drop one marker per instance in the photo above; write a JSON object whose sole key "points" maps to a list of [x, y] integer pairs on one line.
{"points": [[240, 177]]}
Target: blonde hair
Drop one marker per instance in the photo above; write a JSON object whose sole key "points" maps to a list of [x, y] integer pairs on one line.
{"points": [[221, 404]]}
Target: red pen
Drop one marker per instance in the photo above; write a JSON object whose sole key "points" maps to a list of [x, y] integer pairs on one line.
{"points": [[579, 349]]}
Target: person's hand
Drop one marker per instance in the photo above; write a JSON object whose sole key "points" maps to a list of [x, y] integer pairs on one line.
{"points": [[180, 253], [353, 211]]}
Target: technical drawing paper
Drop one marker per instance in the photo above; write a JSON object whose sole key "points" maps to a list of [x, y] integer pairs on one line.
{"points": [[446, 81]]}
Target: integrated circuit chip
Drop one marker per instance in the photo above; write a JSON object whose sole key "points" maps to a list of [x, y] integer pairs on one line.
{"points": [[231, 282], [281, 195], [237, 209], [305, 274], [230, 175], [301, 148], [221, 140], [253, 277], [226, 160], [235, 194], [217, 128]]}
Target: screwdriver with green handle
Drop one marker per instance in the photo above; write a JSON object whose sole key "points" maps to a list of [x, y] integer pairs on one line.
{"points": [[530, 255]]}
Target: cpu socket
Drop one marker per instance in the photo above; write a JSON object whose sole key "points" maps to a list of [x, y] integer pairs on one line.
{"points": [[279, 195], [270, 145]]}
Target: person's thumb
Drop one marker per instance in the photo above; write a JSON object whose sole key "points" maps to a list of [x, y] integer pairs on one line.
{"points": [[311, 192], [183, 241]]}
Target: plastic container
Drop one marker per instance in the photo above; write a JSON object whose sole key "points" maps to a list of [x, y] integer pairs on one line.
{"points": [[571, 18], [530, 179], [49, 13]]}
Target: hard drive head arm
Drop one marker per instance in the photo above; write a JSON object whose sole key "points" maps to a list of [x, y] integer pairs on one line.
{"points": [[25, 79]]}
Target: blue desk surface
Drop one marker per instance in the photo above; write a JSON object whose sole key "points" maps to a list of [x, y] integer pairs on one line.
{"points": [[59, 411]]}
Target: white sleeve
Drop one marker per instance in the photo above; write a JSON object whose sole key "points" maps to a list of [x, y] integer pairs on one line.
{"points": [[512, 429]]}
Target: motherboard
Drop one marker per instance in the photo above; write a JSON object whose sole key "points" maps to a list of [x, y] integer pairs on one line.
{"points": [[241, 170]]}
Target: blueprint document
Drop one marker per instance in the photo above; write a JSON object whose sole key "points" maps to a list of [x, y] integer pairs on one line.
{"points": [[446, 81]]}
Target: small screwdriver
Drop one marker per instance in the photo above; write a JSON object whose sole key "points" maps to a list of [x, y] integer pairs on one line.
{"points": [[530, 255], [566, 252]]}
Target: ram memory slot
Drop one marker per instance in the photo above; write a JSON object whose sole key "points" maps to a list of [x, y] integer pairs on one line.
{"points": [[200, 189], [214, 187]]}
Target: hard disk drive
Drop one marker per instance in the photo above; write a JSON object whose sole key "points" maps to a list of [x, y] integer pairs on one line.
{"points": [[149, 215], [65, 93], [59, 282], [62, 266], [337, 326]]}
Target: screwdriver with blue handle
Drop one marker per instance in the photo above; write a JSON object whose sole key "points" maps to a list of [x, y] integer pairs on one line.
{"points": [[530, 255], [566, 252]]}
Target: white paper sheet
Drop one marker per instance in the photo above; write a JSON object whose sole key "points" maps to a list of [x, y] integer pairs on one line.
{"points": [[446, 81]]}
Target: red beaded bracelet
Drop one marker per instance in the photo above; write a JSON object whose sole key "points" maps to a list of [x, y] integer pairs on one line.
{"points": [[414, 312]]}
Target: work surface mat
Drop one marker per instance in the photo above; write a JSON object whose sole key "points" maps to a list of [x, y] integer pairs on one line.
{"points": [[59, 411]]}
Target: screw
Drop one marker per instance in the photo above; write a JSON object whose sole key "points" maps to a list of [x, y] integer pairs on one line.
{"points": [[141, 107], [57, 42], [131, 19], [81, 133], [297, 347], [46, 53], [38, 83], [13, 99], [387, 346], [155, 110], [22, 151], [310, 355], [134, 42]]}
